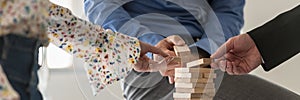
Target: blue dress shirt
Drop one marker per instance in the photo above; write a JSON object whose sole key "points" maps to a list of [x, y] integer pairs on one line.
{"points": [[197, 21]]}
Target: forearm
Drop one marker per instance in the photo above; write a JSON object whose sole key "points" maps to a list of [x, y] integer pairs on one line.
{"points": [[112, 15], [110, 55], [278, 40]]}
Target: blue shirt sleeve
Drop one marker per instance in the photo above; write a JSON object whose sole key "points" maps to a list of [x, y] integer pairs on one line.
{"points": [[111, 15], [230, 16]]}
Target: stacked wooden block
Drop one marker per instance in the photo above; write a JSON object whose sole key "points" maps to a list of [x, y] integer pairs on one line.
{"points": [[193, 82]]}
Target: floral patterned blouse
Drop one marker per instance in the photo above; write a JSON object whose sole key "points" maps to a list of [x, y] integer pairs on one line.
{"points": [[108, 55]]}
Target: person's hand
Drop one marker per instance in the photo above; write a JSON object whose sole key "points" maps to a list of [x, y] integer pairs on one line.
{"points": [[166, 45], [145, 64], [239, 55]]}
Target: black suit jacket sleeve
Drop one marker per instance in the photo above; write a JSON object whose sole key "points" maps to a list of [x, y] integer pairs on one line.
{"points": [[279, 39]]}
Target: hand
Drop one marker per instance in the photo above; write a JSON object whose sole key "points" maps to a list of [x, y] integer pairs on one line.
{"points": [[145, 64], [166, 45], [239, 55]]}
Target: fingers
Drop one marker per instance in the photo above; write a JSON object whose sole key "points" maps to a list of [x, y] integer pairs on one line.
{"points": [[156, 50], [164, 65], [149, 48], [176, 40], [223, 65], [214, 65], [227, 46], [170, 70], [171, 79], [236, 70], [168, 73], [173, 65], [145, 64], [142, 65], [229, 68]]}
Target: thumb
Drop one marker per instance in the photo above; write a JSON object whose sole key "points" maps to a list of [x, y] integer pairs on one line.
{"points": [[149, 48], [158, 51], [224, 49], [159, 65]]}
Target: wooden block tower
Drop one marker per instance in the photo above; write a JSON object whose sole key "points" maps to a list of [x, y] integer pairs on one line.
{"points": [[192, 81]]}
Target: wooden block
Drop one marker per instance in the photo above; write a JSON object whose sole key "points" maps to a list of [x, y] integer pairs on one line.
{"points": [[194, 90], [209, 75], [195, 85], [190, 96], [182, 50], [190, 80], [203, 62], [212, 94], [189, 75], [187, 95], [194, 98], [186, 59], [190, 70]]}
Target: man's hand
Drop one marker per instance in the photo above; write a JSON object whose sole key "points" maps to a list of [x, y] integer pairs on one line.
{"points": [[166, 45], [239, 55], [145, 64]]}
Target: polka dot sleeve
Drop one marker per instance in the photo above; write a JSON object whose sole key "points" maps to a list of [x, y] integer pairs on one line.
{"points": [[108, 55]]}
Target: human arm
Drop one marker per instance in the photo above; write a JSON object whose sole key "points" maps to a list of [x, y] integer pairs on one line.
{"points": [[262, 43], [109, 55], [278, 40], [235, 57], [111, 15]]}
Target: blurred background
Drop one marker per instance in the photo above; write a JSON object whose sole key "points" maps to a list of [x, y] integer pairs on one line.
{"points": [[68, 82]]}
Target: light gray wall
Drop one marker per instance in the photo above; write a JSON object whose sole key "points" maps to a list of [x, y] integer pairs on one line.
{"points": [[63, 85]]}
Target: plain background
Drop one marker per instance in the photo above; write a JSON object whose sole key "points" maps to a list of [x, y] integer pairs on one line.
{"points": [[63, 84]]}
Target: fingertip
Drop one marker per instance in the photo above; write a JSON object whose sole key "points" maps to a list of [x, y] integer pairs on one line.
{"points": [[212, 56], [229, 68], [171, 79], [236, 70], [222, 65]]}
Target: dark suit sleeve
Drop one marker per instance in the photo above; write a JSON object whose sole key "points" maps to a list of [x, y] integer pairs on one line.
{"points": [[279, 39]]}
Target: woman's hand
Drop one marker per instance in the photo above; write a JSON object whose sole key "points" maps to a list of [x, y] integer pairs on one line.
{"points": [[166, 45], [145, 64]]}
